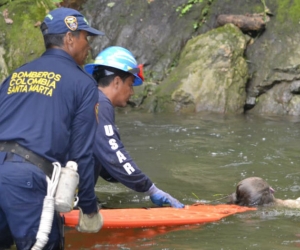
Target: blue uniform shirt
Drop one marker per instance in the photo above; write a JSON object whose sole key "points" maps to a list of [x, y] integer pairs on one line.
{"points": [[110, 153], [48, 106]]}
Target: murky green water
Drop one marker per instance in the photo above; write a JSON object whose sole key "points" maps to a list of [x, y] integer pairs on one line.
{"points": [[201, 158]]}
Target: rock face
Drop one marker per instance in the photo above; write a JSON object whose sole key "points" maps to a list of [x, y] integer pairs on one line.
{"points": [[273, 59], [189, 69], [211, 74], [156, 34], [152, 30], [217, 73]]}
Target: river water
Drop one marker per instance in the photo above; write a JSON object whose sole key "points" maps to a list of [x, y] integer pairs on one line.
{"points": [[201, 158]]}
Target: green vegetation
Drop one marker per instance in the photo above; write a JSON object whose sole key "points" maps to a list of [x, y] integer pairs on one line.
{"points": [[185, 8], [195, 196], [288, 10], [23, 40]]}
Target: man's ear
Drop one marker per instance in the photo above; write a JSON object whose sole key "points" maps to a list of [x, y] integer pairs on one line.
{"points": [[69, 38], [117, 81]]}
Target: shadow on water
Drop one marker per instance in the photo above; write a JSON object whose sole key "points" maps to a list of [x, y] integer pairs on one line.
{"points": [[201, 158]]}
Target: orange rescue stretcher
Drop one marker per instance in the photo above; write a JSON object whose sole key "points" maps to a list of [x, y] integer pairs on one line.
{"points": [[163, 216]]}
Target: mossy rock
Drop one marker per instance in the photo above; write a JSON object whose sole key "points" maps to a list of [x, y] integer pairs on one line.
{"points": [[3, 2], [23, 40]]}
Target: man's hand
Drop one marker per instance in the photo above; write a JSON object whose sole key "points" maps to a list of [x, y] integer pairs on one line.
{"points": [[159, 197], [89, 223]]}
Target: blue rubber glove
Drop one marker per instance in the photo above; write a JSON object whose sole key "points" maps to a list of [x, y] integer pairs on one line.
{"points": [[159, 197]]}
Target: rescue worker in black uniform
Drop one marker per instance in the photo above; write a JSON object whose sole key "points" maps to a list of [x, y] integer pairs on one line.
{"points": [[47, 114]]}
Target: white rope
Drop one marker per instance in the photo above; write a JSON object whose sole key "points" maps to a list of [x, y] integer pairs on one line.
{"points": [[48, 209], [52, 184]]}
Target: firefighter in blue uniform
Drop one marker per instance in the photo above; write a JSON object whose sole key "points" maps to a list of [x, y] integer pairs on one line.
{"points": [[47, 114], [116, 72]]}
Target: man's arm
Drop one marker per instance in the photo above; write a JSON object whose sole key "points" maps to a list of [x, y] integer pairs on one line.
{"points": [[82, 137], [111, 153]]}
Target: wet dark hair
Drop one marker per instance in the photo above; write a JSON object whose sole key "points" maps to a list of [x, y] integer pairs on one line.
{"points": [[104, 75], [51, 40], [252, 191]]}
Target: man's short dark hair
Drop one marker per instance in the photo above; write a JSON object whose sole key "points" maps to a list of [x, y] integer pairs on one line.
{"points": [[105, 75], [51, 40]]}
